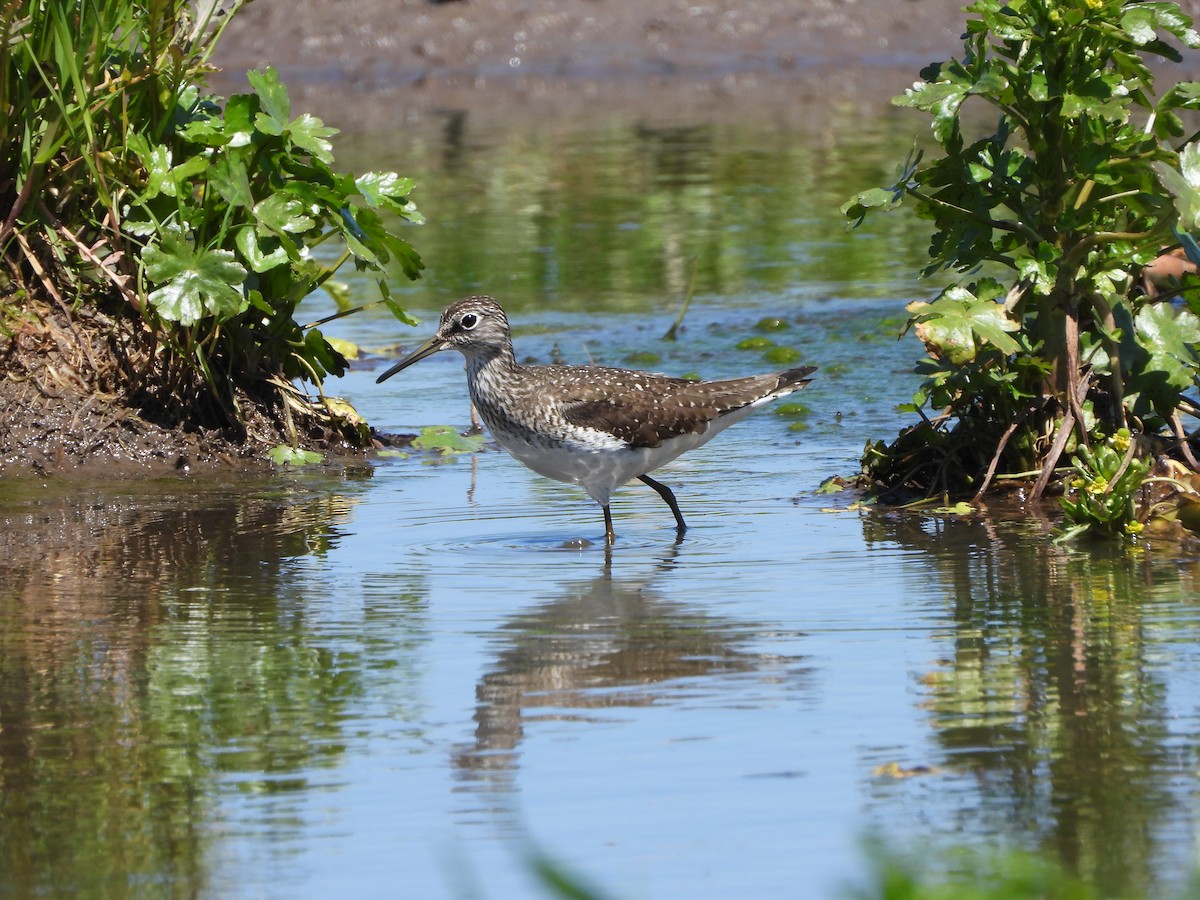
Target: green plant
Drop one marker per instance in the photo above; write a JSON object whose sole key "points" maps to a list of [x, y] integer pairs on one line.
{"points": [[231, 229], [193, 230], [445, 441], [966, 873], [1049, 212], [1102, 495]]}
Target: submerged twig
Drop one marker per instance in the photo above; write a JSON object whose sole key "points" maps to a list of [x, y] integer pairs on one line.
{"points": [[687, 301]]}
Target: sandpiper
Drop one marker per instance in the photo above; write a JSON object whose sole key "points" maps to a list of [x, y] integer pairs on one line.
{"points": [[593, 426]]}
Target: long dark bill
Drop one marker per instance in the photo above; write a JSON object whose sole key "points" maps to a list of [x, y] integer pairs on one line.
{"points": [[430, 347]]}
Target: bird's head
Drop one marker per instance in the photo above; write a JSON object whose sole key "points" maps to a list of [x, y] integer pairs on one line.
{"points": [[472, 325]]}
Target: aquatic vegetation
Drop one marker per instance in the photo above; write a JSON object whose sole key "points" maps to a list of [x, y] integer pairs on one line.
{"points": [[772, 323], [782, 356], [1050, 341], [445, 441], [792, 410], [755, 343], [1101, 498]]}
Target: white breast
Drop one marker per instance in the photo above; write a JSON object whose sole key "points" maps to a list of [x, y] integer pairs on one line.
{"points": [[605, 463]]}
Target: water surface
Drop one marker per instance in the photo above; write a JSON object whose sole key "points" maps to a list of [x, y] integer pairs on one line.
{"points": [[397, 678]]}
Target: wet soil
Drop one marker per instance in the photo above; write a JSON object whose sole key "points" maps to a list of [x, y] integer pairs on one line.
{"points": [[368, 61], [72, 404]]}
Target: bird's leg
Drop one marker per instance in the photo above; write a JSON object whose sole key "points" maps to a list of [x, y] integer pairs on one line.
{"points": [[609, 534], [665, 493]]}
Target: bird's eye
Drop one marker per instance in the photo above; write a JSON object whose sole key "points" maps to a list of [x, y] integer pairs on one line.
{"points": [[469, 321]]}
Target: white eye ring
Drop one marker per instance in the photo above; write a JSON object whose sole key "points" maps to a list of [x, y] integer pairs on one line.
{"points": [[469, 321]]}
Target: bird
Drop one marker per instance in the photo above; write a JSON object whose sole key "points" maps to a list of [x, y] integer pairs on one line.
{"points": [[594, 426]]}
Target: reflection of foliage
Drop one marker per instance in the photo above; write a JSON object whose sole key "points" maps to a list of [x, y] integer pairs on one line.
{"points": [[1048, 692], [723, 195], [148, 646]]}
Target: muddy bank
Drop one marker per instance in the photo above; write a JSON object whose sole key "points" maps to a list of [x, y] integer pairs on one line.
{"points": [[69, 406], [379, 61], [371, 64]]}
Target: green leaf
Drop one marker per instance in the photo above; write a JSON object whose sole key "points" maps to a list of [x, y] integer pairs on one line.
{"points": [[1142, 21], [179, 179], [283, 455], [273, 98], [401, 258], [229, 177], [155, 160], [399, 311], [310, 133], [446, 441], [1184, 185], [942, 99], [252, 250], [193, 283], [372, 243], [1170, 338], [1114, 109], [1038, 267], [239, 114], [1138, 22], [360, 230], [377, 187], [951, 326], [1038, 87], [990, 82], [1189, 164], [390, 191], [875, 198], [281, 213], [207, 132], [834, 484], [1185, 95], [322, 354]]}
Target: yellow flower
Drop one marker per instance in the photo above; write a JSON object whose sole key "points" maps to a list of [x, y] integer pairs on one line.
{"points": [[1120, 441], [1098, 486], [1135, 527]]}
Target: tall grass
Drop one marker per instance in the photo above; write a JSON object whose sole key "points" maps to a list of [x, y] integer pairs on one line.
{"points": [[77, 80]]}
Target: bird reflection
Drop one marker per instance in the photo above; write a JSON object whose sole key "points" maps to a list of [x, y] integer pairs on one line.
{"points": [[609, 642]]}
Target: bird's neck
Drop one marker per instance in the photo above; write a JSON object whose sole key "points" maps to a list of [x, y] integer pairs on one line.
{"points": [[489, 368]]}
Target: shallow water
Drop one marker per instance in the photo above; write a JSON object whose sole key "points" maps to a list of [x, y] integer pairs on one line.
{"points": [[405, 677]]}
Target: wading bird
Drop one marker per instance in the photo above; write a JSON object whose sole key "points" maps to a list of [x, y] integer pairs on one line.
{"points": [[590, 425]]}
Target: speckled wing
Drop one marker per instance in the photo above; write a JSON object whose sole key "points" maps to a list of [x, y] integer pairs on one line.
{"points": [[645, 410]]}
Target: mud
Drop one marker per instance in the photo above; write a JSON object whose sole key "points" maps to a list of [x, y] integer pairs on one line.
{"points": [[370, 62]]}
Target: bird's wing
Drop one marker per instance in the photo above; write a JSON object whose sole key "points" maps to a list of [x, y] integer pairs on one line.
{"points": [[645, 409]]}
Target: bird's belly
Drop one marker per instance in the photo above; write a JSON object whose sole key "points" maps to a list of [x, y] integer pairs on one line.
{"points": [[598, 468]]}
